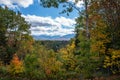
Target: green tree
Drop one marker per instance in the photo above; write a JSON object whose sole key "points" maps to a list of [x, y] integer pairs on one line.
{"points": [[13, 30], [50, 65], [105, 24]]}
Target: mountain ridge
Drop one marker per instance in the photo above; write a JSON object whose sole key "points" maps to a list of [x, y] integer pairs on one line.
{"points": [[45, 37]]}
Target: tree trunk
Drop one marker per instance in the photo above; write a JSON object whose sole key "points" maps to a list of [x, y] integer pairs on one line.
{"points": [[87, 16]]}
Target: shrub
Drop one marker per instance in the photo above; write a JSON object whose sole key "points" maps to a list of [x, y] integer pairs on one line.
{"points": [[16, 66]]}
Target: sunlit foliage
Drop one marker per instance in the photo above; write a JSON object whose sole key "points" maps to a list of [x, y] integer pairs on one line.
{"points": [[16, 66]]}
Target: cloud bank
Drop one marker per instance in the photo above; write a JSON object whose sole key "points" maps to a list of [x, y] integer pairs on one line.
{"points": [[27, 3], [49, 26], [16, 3]]}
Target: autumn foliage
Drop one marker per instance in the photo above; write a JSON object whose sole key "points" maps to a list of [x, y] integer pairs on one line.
{"points": [[16, 66], [95, 56]]}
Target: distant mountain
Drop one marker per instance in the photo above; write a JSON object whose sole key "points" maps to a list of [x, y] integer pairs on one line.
{"points": [[45, 37], [66, 37]]}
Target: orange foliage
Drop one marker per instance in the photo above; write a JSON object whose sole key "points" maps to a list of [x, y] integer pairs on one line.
{"points": [[16, 66]]}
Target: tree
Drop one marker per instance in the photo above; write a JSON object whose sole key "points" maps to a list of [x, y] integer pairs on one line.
{"points": [[48, 64], [105, 24], [16, 66], [13, 30], [68, 59]]}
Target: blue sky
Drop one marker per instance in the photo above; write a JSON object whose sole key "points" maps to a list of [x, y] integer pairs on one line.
{"points": [[44, 21], [37, 9]]}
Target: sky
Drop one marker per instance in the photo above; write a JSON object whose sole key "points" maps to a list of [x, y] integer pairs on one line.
{"points": [[44, 21]]}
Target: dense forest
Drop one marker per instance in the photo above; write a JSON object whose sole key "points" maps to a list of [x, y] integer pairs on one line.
{"points": [[53, 44], [94, 52]]}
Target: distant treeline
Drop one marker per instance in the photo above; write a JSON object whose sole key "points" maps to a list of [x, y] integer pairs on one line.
{"points": [[53, 44]]}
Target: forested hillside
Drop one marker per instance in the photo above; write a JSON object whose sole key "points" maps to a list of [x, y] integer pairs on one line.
{"points": [[93, 54], [53, 44]]}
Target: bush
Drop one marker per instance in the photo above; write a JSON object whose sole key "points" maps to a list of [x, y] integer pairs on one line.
{"points": [[16, 66], [3, 69]]}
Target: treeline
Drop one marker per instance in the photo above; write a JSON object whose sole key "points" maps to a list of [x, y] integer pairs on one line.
{"points": [[53, 44], [95, 55]]}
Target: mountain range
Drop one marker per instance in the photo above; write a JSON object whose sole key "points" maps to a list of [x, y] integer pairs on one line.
{"points": [[45, 37]]}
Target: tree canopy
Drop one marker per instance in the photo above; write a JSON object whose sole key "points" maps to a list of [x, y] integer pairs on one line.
{"points": [[13, 30]]}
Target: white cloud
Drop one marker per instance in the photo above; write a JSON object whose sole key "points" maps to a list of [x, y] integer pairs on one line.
{"points": [[78, 4], [59, 32], [67, 22], [27, 3], [49, 26], [16, 3]]}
